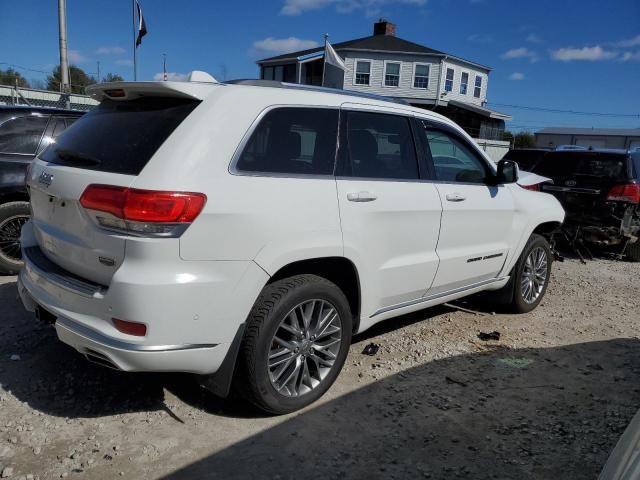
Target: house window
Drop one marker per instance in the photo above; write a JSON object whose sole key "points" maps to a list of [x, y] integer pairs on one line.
{"points": [[448, 83], [464, 83], [478, 86], [391, 74], [363, 73], [421, 76]]}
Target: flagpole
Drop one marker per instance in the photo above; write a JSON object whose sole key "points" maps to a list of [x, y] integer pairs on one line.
{"points": [[135, 54], [324, 64]]}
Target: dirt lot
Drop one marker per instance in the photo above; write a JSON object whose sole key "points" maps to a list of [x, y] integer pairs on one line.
{"points": [[548, 400]]}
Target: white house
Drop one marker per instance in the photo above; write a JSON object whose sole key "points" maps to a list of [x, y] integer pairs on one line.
{"points": [[384, 64]]}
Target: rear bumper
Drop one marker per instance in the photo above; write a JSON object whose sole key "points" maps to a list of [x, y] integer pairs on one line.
{"points": [[192, 310]]}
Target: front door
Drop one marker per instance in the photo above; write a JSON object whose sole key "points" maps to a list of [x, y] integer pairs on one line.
{"points": [[477, 217], [390, 218]]}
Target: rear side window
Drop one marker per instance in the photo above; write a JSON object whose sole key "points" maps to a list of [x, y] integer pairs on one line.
{"points": [[380, 146], [292, 141], [119, 136], [22, 134], [583, 164], [636, 165]]}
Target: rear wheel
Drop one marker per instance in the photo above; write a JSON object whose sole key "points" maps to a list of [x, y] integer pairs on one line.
{"points": [[297, 339], [530, 276], [13, 216], [633, 251]]}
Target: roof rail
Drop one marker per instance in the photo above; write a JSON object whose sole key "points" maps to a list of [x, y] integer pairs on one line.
{"points": [[313, 88]]}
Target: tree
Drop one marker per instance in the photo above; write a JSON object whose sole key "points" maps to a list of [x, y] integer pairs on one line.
{"points": [[524, 140], [77, 77], [10, 77], [38, 83], [507, 136], [112, 77]]}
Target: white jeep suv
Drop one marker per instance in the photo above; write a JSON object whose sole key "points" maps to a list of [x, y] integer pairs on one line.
{"points": [[247, 230]]}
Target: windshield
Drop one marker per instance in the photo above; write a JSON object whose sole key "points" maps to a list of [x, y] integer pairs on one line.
{"points": [[119, 136]]}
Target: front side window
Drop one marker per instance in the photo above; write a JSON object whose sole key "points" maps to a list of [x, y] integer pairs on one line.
{"points": [[380, 146], [22, 134], [464, 83], [421, 76], [454, 161], [477, 89], [391, 74], [448, 83], [363, 72], [292, 141]]}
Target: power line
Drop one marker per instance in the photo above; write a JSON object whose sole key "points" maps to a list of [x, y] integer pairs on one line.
{"points": [[571, 112]]}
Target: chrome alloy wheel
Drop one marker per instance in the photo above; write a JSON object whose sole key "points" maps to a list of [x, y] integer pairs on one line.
{"points": [[10, 230], [304, 348], [534, 275]]}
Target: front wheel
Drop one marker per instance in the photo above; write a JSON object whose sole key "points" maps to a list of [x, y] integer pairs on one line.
{"points": [[296, 342], [530, 276]]}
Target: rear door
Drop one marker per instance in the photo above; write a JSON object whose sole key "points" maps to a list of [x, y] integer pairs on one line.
{"points": [[477, 217], [390, 218], [110, 145]]}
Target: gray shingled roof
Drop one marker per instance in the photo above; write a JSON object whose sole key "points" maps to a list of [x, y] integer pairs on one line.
{"points": [[378, 43], [611, 132]]}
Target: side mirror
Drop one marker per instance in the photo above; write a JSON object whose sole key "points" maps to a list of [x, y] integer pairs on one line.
{"points": [[507, 172]]}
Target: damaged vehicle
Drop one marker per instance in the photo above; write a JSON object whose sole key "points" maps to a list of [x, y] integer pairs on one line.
{"points": [[600, 192]]}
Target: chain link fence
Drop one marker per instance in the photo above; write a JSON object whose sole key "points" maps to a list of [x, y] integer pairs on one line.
{"points": [[12, 95]]}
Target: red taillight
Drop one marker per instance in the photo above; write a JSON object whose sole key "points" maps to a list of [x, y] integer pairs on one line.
{"points": [[115, 93], [148, 206], [534, 188], [130, 328], [629, 192]]}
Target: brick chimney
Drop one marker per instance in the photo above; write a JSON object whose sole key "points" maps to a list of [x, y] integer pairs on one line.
{"points": [[382, 27]]}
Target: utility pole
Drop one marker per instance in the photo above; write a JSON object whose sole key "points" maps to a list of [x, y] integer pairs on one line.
{"points": [[164, 66], [98, 79], [64, 63]]}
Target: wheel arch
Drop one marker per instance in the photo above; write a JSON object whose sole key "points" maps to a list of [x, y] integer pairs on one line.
{"points": [[339, 270]]}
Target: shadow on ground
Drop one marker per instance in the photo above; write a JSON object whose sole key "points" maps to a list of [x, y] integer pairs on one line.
{"points": [[500, 414]]}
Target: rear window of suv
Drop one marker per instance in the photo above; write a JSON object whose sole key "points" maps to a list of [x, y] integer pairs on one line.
{"points": [[592, 164], [119, 136]]}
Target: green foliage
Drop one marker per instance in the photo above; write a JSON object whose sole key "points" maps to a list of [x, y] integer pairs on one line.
{"points": [[524, 140], [507, 136], [77, 78], [112, 77], [10, 76]]}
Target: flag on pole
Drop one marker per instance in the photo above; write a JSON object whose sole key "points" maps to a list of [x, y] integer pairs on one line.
{"points": [[142, 26], [332, 58]]}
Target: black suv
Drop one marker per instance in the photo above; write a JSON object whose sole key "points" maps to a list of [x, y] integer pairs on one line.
{"points": [[526, 158], [600, 192], [24, 132]]}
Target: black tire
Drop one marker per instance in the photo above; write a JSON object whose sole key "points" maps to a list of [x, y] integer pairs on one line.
{"points": [[12, 216], [633, 251], [276, 301], [518, 304]]}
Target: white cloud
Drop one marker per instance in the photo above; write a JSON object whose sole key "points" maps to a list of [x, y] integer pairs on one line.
{"points": [[371, 7], [173, 76], [75, 56], [272, 45], [631, 56], [591, 54], [110, 51], [480, 38], [517, 76], [521, 52], [124, 61], [533, 38], [631, 42]]}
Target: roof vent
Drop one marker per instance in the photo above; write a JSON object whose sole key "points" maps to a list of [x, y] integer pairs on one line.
{"points": [[199, 76], [383, 27]]}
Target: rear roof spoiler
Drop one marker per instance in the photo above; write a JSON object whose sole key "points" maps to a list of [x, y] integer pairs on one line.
{"points": [[199, 86]]}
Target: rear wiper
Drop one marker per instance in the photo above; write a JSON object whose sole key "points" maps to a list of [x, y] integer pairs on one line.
{"points": [[77, 157]]}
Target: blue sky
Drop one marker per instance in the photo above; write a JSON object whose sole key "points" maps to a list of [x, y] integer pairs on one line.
{"points": [[581, 55]]}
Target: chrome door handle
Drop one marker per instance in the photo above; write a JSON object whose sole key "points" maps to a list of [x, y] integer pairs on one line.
{"points": [[361, 197], [456, 197]]}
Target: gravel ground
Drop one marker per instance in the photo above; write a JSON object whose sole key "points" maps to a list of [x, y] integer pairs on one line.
{"points": [[547, 400]]}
